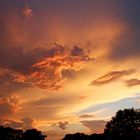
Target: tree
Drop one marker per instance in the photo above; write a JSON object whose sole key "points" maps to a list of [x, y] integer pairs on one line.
{"points": [[7, 133], [33, 134], [10, 134], [126, 124], [76, 136]]}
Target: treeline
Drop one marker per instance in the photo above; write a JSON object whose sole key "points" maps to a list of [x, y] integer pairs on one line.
{"points": [[124, 126], [7, 133], [82, 136]]}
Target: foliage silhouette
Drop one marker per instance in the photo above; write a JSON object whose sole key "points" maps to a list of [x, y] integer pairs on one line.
{"points": [[82, 136], [32, 134], [126, 124], [76, 136], [11, 134]]}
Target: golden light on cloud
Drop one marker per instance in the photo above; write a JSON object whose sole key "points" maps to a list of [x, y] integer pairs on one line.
{"points": [[72, 64]]}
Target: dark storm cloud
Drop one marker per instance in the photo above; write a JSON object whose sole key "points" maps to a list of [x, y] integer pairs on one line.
{"points": [[111, 76]]}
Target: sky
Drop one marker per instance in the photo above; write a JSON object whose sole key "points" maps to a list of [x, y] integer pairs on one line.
{"points": [[67, 66]]}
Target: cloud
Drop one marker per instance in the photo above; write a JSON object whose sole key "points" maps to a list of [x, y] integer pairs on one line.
{"points": [[132, 82], [11, 123], [27, 11], [9, 105], [8, 86], [108, 108], [96, 126], [28, 122], [86, 116], [52, 105], [46, 65], [25, 123], [63, 125], [111, 76]]}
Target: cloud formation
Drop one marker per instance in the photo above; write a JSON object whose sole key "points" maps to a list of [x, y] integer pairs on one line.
{"points": [[111, 76], [42, 67], [28, 122], [86, 116], [63, 125], [132, 82], [9, 105], [25, 123], [24, 26], [96, 126]]}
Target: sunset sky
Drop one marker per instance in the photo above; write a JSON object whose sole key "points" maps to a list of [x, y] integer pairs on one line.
{"points": [[67, 66]]}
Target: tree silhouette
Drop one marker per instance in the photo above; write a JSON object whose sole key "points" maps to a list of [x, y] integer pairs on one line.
{"points": [[12, 134], [77, 136], [126, 124], [82, 136], [32, 134], [97, 137]]}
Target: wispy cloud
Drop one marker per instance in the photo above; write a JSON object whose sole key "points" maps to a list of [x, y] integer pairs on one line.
{"points": [[111, 76], [132, 82], [86, 116]]}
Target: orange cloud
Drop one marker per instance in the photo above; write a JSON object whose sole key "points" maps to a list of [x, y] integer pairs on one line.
{"points": [[111, 76], [47, 72], [9, 105], [25, 123], [41, 67]]}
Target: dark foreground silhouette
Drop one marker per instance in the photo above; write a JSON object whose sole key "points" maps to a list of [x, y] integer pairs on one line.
{"points": [[124, 126], [12, 134]]}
